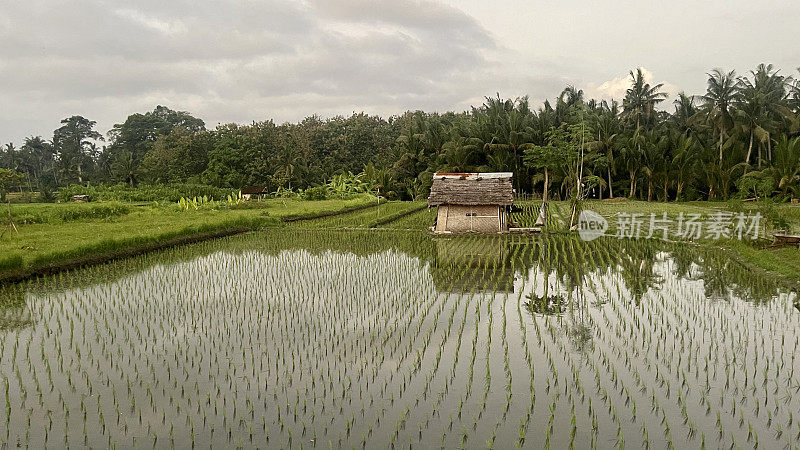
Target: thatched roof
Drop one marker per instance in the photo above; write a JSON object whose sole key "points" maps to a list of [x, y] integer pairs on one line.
{"points": [[255, 190], [493, 188]]}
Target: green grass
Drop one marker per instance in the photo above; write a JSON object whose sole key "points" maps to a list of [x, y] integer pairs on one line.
{"points": [[50, 234], [366, 218], [783, 261], [54, 213], [420, 220], [64, 232]]}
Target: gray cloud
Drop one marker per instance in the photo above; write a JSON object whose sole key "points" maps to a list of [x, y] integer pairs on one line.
{"points": [[242, 60], [235, 60]]}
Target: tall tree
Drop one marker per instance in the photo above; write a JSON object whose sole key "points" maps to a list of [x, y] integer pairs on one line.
{"points": [[75, 145], [685, 109], [38, 161], [606, 131], [682, 167], [720, 94], [762, 101], [638, 106], [132, 139]]}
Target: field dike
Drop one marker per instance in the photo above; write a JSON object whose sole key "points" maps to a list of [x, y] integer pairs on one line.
{"points": [[114, 249], [321, 215]]}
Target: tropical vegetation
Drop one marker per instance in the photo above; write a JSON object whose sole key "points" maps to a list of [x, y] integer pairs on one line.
{"points": [[741, 138]]}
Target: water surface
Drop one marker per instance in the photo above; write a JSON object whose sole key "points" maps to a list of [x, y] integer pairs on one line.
{"points": [[322, 338]]}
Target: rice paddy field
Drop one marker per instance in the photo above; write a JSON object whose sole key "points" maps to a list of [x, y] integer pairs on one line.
{"points": [[371, 217], [302, 337]]}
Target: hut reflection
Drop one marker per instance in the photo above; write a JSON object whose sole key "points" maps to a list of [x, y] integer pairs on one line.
{"points": [[473, 264]]}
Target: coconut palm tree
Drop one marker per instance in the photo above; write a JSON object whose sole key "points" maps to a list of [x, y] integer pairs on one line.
{"points": [[720, 175], [749, 115], [786, 165], [720, 94], [653, 161], [640, 100], [685, 109], [124, 167], [762, 100], [682, 168], [630, 157], [513, 133], [794, 94], [459, 154], [606, 130]]}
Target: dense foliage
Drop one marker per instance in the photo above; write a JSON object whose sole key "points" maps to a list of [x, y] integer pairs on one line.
{"points": [[740, 138]]}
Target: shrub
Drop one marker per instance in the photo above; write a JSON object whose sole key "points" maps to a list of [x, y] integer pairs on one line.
{"points": [[68, 213], [772, 216], [756, 184], [145, 193], [316, 193]]}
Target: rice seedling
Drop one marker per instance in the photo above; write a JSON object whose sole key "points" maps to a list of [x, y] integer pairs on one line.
{"points": [[299, 336]]}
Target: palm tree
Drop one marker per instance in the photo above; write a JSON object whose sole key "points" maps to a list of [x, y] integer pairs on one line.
{"points": [[684, 162], [459, 154], [720, 175], [640, 100], [653, 162], [124, 167], [607, 128], [794, 96], [630, 157], [762, 101], [720, 94], [786, 166], [685, 109], [512, 134], [749, 115], [571, 96]]}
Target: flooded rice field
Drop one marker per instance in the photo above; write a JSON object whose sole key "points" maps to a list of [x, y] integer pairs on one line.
{"points": [[302, 339]]}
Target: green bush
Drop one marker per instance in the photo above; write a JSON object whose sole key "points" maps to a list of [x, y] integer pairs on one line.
{"points": [[23, 197], [316, 193], [25, 215], [772, 216], [756, 184], [145, 193]]}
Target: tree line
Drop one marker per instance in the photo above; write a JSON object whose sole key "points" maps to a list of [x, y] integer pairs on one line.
{"points": [[739, 138]]}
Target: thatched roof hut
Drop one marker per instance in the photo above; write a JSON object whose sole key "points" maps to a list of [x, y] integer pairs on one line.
{"points": [[249, 191], [472, 189], [472, 201]]}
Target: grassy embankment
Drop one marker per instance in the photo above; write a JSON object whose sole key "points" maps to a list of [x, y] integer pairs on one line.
{"points": [[52, 237], [783, 261]]}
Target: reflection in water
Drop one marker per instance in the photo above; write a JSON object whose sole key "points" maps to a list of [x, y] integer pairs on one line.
{"points": [[290, 339], [472, 265], [544, 304], [14, 312], [501, 258]]}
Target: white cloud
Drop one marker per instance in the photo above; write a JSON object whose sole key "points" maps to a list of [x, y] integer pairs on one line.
{"points": [[614, 89]]}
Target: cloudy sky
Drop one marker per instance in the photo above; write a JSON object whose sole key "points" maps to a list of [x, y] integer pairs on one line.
{"points": [[239, 61]]}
